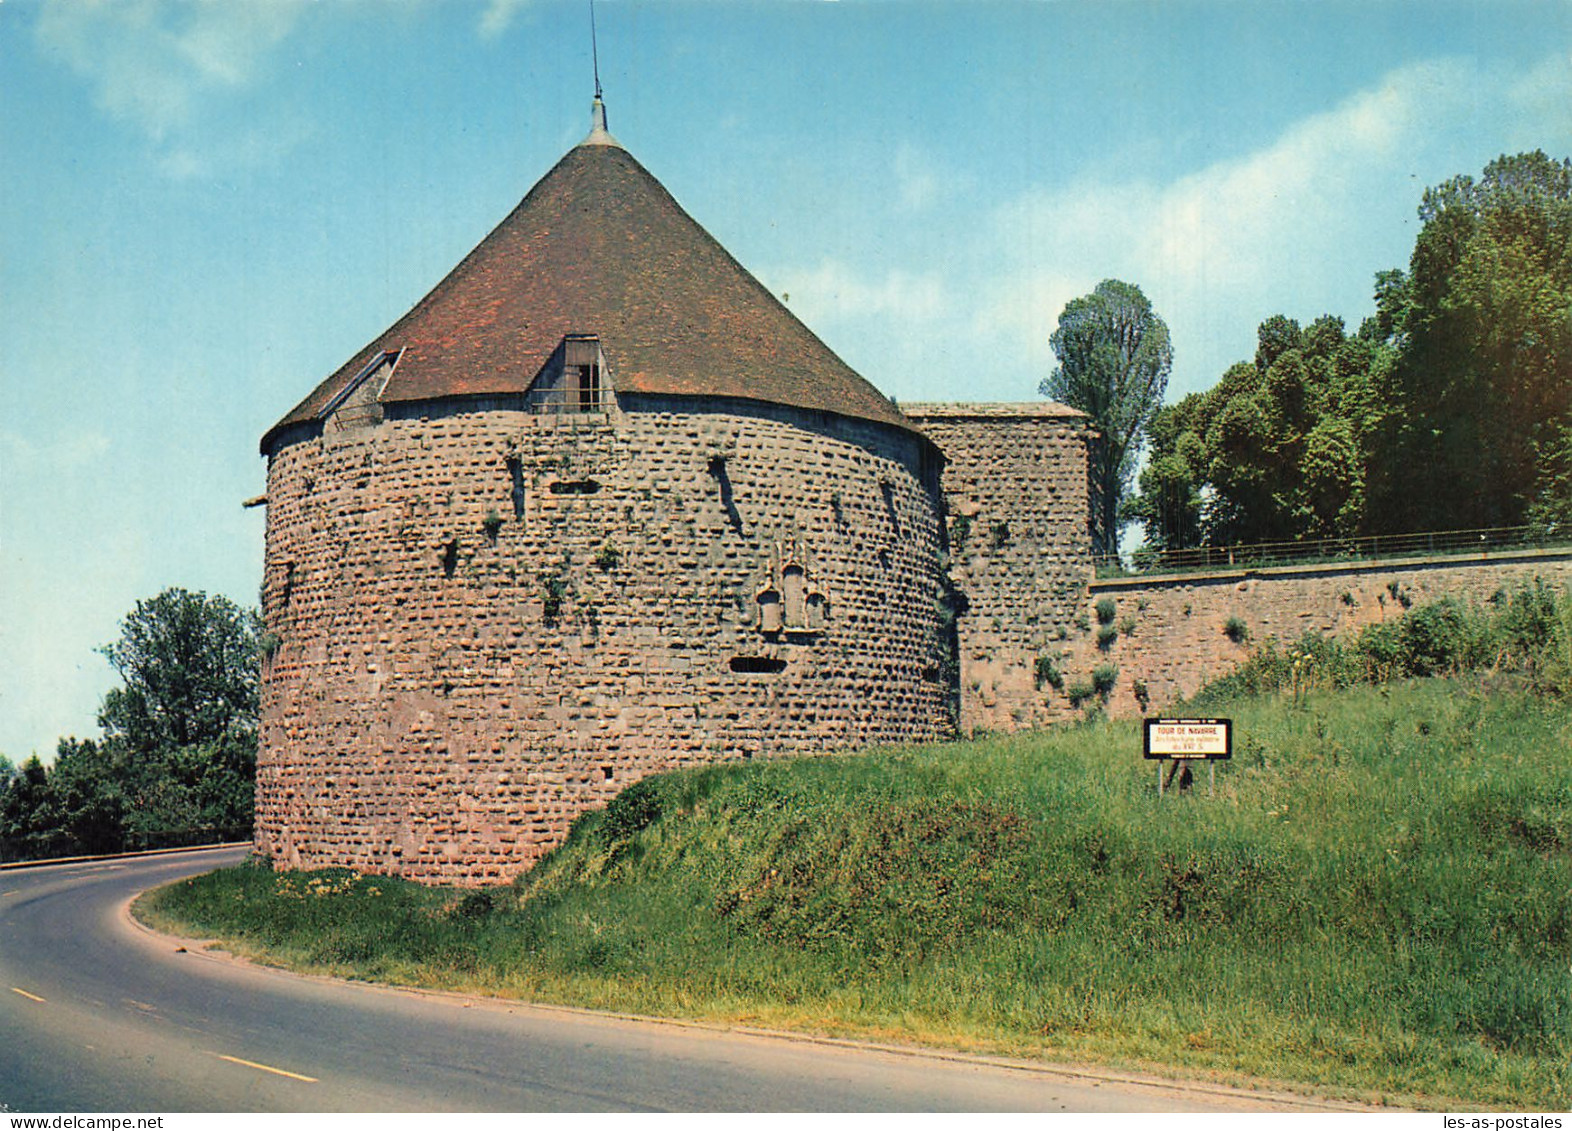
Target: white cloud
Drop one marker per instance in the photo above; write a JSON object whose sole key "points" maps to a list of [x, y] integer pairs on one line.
{"points": [[833, 291], [19, 455], [498, 16], [1539, 105], [153, 61], [245, 149], [1298, 226], [1220, 248]]}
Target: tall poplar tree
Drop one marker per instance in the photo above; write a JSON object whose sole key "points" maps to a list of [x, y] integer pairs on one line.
{"points": [[1114, 360]]}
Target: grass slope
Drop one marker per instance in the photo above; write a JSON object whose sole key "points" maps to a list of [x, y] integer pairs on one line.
{"points": [[1379, 898]]}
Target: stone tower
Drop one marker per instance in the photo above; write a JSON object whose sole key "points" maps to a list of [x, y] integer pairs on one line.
{"points": [[598, 506]]}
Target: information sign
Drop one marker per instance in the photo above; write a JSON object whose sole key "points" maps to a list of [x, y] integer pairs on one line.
{"points": [[1187, 739]]}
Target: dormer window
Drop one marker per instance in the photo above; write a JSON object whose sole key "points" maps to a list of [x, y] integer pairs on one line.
{"points": [[358, 404], [581, 384], [574, 380]]}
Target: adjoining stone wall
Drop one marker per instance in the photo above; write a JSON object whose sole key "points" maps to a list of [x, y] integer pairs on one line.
{"points": [[486, 621], [1171, 632], [1015, 487]]}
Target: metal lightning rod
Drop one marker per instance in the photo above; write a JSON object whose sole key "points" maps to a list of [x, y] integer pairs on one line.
{"points": [[594, 49]]}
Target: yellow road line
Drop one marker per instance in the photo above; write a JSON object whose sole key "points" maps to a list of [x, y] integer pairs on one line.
{"points": [[28, 996], [266, 1068]]}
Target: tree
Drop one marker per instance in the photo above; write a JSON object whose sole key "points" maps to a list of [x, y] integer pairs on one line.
{"points": [[189, 663], [1484, 322], [1451, 408], [179, 753], [1279, 450], [29, 816], [1114, 360], [89, 794], [177, 761], [1170, 502]]}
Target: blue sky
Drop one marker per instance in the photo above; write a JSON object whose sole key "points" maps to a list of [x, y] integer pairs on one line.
{"points": [[210, 206]]}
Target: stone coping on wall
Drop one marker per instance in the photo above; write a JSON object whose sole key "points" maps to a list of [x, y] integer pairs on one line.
{"points": [[1043, 410], [1373, 565]]}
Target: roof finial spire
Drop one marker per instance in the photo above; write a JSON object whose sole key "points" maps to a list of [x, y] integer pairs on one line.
{"points": [[598, 134], [594, 50]]}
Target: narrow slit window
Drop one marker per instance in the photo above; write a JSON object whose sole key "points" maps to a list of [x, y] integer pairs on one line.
{"points": [[794, 594], [516, 485]]}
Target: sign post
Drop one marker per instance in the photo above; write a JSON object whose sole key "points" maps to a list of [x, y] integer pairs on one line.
{"points": [[1188, 740]]}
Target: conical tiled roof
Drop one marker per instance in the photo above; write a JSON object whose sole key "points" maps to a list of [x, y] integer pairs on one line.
{"points": [[598, 247]]}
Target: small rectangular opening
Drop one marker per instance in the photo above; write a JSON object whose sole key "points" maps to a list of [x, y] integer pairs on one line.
{"points": [[758, 665], [574, 487]]}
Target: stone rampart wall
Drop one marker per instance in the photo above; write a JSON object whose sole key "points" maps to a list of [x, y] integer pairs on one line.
{"points": [[488, 621], [1015, 486], [1172, 632]]}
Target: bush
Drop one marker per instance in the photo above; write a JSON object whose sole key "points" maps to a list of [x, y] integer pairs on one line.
{"points": [[1529, 633], [1106, 608], [1079, 692], [1529, 620], [1104, 676], [1438, 638], [1048, 673], [1236, 630], [1430, 640]]}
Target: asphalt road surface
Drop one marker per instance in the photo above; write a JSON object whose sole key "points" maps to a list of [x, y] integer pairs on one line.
{"points": [[98, 1015]]}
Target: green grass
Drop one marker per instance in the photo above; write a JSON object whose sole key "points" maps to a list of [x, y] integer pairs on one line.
{"points": [[1377, 901]]}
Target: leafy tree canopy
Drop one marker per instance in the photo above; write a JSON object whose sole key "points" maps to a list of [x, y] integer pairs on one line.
{"points": [[1483, 319], [178, 757], [1449, 409], [1278, 450], [190, 672], [1114, 361]]}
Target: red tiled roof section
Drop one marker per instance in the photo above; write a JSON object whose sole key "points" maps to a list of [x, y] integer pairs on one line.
{"points": [[599, 247]]}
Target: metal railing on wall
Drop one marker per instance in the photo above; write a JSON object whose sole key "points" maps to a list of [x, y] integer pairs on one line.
{"points": [[1331, 550]]}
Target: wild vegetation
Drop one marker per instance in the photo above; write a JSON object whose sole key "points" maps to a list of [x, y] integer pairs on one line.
{"points": [[1376, 900], [1521, 639], [177, 759]]}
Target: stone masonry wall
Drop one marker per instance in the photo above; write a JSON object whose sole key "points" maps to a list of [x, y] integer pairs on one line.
{"points": [[1170, 632], [485, 621], [1015, 486]]}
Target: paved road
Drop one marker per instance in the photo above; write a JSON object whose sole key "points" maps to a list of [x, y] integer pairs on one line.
{"points": [[98, 1015]]}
